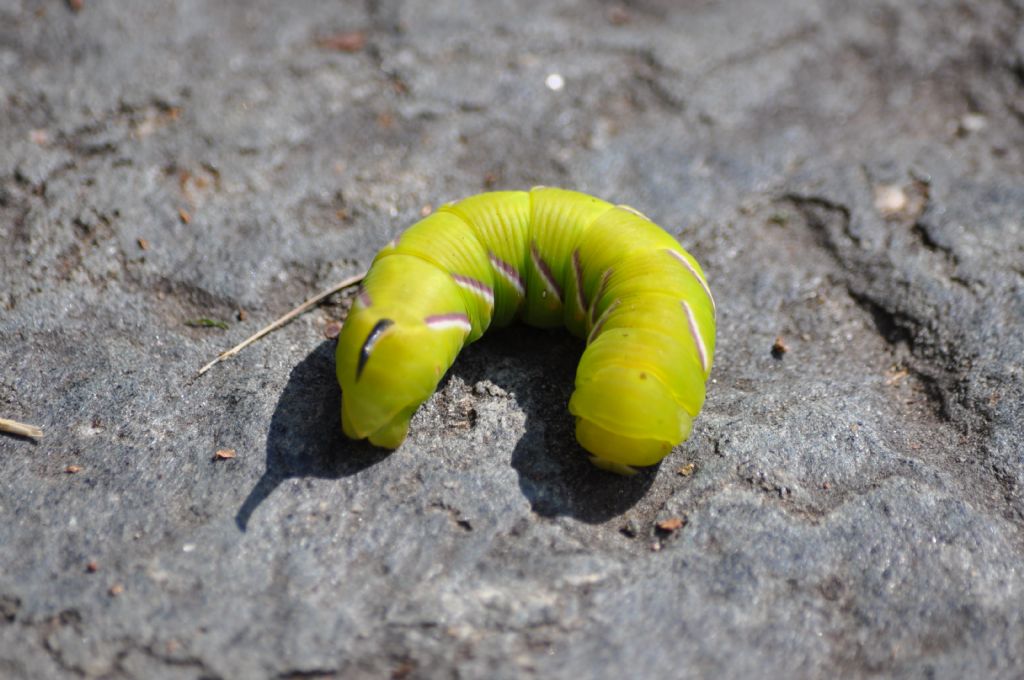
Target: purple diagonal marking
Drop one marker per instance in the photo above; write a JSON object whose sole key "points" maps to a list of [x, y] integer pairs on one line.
{"points": [[545, 272], [596, 330], [478, 287], [600, 291], [577, 270], [508, 272]]}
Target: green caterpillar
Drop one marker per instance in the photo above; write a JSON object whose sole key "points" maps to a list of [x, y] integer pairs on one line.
{"points": [[547, 257]]}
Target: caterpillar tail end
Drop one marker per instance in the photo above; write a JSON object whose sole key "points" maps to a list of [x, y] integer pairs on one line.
{"points": [[618, 453], [635, 432]]}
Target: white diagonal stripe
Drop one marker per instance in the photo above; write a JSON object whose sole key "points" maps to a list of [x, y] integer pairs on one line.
{"points": [[702, 351], [700, 279]]}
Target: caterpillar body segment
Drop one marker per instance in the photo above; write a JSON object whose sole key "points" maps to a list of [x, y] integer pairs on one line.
{"points": [[546, 257]]}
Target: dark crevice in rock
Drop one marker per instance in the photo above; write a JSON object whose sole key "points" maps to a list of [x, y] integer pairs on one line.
{"points": [[454, 514], [163, 658], [651, 73], [941, 367], [308, 674], [9, 606], [940, 371]]}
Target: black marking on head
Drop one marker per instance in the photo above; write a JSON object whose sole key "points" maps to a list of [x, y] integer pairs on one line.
{"points": [[371, 340]]}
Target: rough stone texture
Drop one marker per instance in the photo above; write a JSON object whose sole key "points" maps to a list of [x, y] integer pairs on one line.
{"points": [[850, 174]]}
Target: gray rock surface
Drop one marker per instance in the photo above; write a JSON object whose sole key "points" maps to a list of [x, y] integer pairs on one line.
{"points": [[851, 175]]}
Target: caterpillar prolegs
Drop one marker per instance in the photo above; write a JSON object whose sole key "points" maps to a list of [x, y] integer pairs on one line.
{"points": [[547, 257]]}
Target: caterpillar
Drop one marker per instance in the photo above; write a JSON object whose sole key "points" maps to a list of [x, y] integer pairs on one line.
{"points": [[547, 257]]}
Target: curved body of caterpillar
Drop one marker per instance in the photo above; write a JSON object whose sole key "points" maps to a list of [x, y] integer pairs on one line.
{"points": [[548, 257]]}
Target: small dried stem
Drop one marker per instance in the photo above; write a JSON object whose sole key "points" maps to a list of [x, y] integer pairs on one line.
{"points": [[20, 429], [308, 304]]}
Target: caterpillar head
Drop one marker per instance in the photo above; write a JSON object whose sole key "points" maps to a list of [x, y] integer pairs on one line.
{"points": [[386, 368]]}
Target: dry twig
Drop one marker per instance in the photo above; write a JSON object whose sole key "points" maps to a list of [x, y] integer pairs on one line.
{"points": [[20, 429], [308, 304]]}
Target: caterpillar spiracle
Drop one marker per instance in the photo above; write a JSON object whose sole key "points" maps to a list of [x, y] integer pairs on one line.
{"points": [[547, 257]]}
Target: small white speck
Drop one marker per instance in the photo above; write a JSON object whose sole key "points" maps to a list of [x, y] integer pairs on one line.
{"points": [[188, 547], [973, 122], [554, 81], [890, 199]]}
